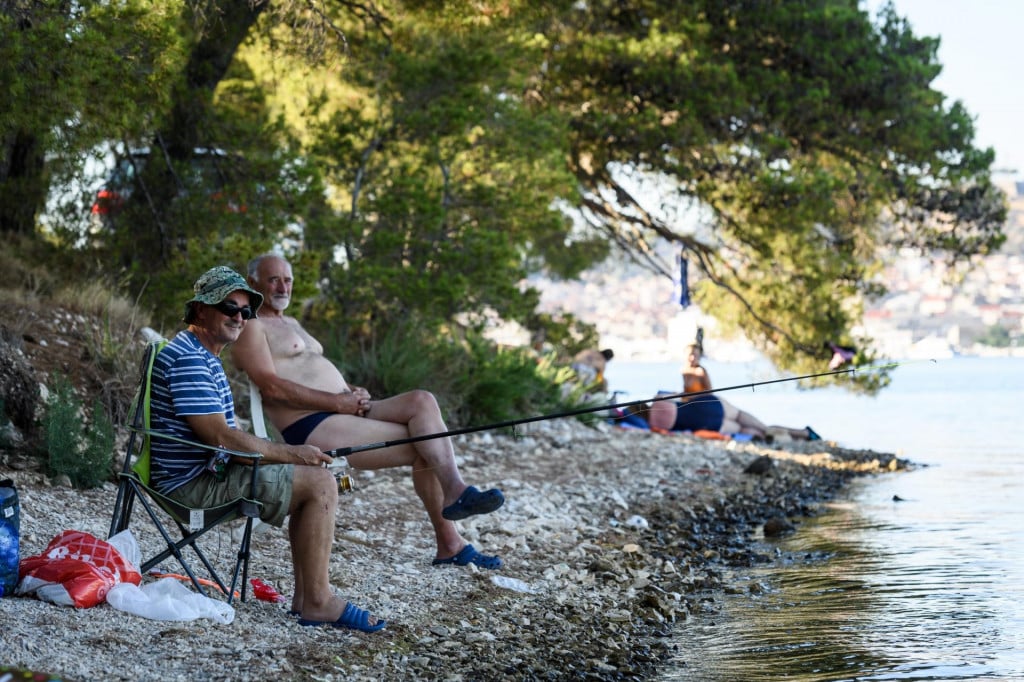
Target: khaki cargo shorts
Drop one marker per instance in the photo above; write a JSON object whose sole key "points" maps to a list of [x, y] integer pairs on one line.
{"points": [[273, 489]]}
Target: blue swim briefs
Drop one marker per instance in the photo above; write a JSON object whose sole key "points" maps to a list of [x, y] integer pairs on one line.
{"points": [[297, 432]]}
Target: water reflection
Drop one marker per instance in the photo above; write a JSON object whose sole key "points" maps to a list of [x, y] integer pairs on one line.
{"points": [[835, 607]]}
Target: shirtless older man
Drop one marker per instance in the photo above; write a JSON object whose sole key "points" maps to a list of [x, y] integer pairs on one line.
{"points": [[308, 401]]}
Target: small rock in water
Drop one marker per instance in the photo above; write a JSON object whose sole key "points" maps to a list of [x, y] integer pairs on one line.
{"points": [[777, 525]]}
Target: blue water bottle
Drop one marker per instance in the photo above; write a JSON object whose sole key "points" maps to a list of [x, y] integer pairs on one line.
{"points": [[9, 530]]}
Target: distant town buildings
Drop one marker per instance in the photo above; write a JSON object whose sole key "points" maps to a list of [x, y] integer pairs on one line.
{"points": [[929, 312]]}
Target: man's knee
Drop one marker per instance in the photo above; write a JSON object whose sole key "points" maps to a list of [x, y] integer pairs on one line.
{"points": [[423, 400], [313, 482]]}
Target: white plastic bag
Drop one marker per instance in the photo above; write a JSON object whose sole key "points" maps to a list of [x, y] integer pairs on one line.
{"points": [[168, 599], [125, 543]]}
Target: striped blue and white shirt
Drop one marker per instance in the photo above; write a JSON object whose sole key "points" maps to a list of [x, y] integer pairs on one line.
{"points": [[187, 380]]}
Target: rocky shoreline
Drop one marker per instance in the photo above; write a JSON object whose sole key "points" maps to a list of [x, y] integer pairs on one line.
{"points": [[611, 539]]}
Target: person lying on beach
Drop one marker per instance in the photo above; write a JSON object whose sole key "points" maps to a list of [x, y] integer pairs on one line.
{"points": [[708, 412], [308, 401]]}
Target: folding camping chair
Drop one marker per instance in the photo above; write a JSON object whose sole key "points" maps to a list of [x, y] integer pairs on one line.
{"points": [[192, 524]]}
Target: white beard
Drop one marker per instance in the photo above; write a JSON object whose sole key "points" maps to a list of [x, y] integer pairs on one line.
{"points": [[279, 303]]}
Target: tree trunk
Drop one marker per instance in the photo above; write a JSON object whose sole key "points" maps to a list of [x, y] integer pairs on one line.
{"points": [[22, 184], [223, 26]]}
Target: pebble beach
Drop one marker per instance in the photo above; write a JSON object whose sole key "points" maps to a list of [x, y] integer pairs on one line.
{"points": [[612, 539]]}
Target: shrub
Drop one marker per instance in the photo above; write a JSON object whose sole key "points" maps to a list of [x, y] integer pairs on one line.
{"points": [[81, 451], [475, 382]]}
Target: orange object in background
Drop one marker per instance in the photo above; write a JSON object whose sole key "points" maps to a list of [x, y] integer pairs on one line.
{"points": [[711, 435]]}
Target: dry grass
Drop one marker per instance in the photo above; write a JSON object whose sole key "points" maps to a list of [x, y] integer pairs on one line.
{"points": [[99, 351]]}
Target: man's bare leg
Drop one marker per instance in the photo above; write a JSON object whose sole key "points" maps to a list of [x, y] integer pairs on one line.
{"points": [[436, 477], [795, 434], [428, 489], [300, 583], [311, 531], [748, 422]]}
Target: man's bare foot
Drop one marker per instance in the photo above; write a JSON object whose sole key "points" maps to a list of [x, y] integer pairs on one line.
{"points": [[350, 616]]}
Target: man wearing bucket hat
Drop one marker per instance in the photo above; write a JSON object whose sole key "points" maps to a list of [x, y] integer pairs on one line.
{"points": [[191, 399]]}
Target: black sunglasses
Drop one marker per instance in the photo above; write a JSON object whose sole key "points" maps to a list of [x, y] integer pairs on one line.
{"points": [[230, 309]]}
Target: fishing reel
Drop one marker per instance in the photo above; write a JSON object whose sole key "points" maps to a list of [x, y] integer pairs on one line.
{"points": [[339, 467]]}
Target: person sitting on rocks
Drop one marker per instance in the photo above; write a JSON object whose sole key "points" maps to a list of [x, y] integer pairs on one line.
{"points": [[589, 366], [191, 399], [308, 401], [708, 412]]}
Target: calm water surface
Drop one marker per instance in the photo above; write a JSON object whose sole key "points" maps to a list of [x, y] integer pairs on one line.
{"points": [[930, 587]]}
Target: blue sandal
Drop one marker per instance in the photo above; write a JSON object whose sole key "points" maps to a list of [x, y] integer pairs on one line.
{"points": [[469, 555], [473, 502], [353, 618]]}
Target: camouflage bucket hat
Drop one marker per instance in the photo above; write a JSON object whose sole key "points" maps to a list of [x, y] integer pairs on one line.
{"points": [[216, 283]]}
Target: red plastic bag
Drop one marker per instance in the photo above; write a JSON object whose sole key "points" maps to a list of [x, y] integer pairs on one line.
{"points": [[85, 566]]}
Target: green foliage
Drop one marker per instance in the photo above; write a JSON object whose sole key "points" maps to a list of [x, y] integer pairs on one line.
{"points": [[809, 137], [75, 76], [996, 336], [446, 181], [505, 385], [81, 451], [475, 383], [562, 332], [427, 158], [402, 358]]}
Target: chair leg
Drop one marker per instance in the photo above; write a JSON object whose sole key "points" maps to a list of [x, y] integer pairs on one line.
{"points": [[122, 509], [242, 563], [191, 542]]}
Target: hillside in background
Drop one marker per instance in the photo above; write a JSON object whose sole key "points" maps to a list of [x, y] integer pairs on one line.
{"points": [[924, 314]]}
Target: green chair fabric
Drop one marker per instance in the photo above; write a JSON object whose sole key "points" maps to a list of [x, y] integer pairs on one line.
{"points": [[191, 523]]}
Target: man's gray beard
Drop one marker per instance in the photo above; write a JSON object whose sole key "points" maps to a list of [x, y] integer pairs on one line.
{"points": [[276, 305]]}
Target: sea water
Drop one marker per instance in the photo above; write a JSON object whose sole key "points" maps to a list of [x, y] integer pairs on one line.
{"points": [[909, 576]]}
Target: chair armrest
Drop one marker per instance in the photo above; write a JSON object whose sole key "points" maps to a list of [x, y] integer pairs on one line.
{"points": [[254, 456]]}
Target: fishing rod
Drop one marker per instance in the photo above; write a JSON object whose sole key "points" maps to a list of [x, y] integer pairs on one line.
{"points": [[343, 452]]}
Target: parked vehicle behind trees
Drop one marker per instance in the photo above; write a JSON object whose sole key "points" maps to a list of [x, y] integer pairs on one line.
{"points": [[207, 170]]}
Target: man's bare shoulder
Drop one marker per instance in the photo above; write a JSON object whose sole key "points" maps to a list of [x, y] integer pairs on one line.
{"points": [[274, 326], [250, 338]]}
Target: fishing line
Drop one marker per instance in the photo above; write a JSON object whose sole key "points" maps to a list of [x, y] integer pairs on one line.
{"points": [[345, 451]]}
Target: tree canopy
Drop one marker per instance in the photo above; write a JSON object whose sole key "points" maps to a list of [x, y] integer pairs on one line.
{"points": [[424, 158]]}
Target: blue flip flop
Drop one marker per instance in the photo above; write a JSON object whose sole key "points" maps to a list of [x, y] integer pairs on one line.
{"points": [[469, 555], [473, 502], [353, 618]]}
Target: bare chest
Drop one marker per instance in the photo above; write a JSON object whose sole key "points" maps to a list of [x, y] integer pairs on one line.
{"points": [[287, 339]]}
